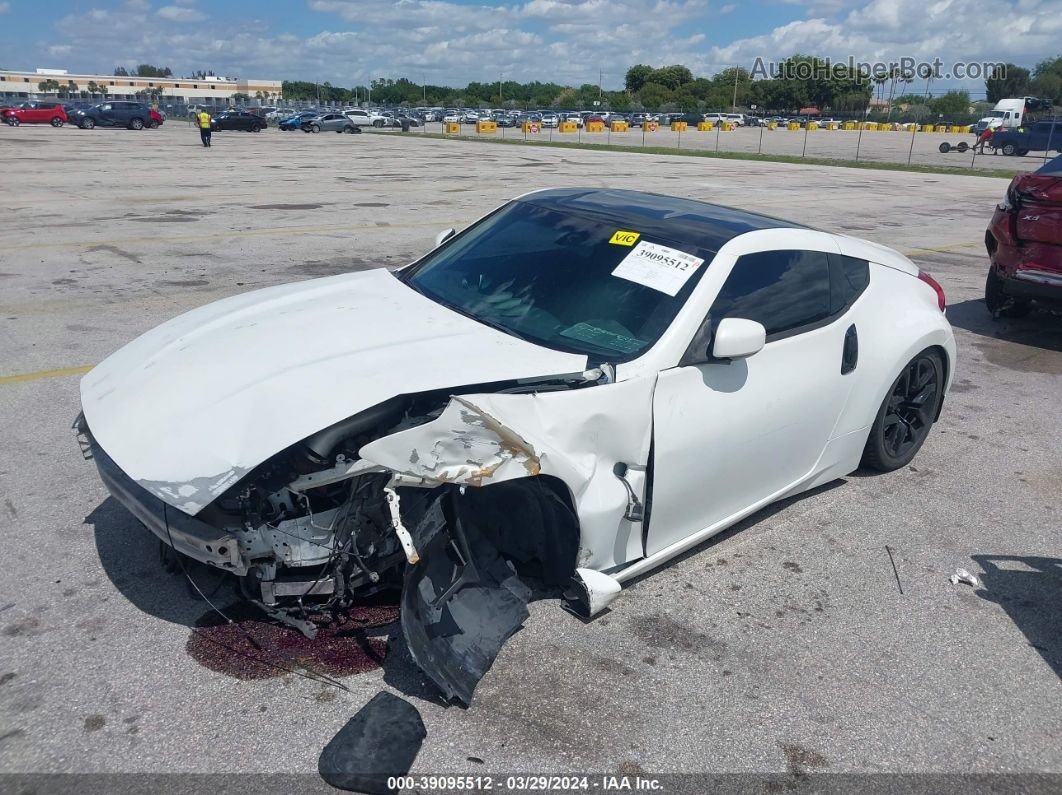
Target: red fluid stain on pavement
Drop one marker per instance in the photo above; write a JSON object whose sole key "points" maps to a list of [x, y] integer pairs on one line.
{"points": [[253, 647]]}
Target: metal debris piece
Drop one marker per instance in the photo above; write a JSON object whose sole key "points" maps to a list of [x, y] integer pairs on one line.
{"points": [[962, 575], [393, 505]]}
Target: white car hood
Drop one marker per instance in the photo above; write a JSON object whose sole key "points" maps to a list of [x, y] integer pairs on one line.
{"points": [[189, 407]]}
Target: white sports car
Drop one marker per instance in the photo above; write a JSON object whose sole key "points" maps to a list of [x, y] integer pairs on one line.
{"points": [[577, 388]]}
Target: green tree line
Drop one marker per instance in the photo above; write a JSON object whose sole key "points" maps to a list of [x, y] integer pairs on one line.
{"points": [[667, 88], [1044, 81]]}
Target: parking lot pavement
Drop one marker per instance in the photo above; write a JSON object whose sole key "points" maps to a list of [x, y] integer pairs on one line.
{"points": [[920, 149], [783, 645]]}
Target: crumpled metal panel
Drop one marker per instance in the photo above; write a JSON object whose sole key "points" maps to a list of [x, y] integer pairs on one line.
{"points": [[577, 435]]}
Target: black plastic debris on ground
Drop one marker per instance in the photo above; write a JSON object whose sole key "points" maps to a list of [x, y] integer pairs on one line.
{"points": [[378, 743]]}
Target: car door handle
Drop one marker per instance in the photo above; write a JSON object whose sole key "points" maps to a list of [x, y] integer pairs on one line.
{"points": [[850, 352]]}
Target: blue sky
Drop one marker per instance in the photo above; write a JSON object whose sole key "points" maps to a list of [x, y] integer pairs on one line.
{"points": [[454, 41]]}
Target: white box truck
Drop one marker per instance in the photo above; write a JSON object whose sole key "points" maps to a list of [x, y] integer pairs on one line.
{"points": [[1010, 113]]}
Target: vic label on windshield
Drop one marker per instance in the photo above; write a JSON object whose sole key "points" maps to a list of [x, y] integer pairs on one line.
{"points": [[659, 267]]}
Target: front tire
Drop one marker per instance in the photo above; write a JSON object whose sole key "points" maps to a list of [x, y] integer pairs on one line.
{"points": [[378, 123], [1009, 150], [907, 413], [315, 128], [87, 124], [14, 122]]}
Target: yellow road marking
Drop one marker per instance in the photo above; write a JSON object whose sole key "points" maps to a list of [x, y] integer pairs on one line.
{"points": [[943, 249], [40, 375]]}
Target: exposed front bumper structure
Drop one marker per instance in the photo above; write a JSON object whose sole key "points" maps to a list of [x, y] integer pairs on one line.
{"points": [[184, 533]]}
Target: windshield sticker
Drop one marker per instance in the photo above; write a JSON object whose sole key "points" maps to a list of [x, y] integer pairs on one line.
{"points": [[659, 267], [622, 238], [602, 338]]}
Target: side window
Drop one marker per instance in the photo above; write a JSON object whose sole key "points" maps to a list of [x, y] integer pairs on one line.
{"points": [[850, 278], [783, 290]]}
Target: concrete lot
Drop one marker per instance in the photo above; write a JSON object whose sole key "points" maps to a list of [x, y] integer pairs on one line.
{"points": [[874, 146], [784, 645]]}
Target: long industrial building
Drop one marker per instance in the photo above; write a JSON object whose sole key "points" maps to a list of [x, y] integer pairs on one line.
{"points": [[18, 85]]}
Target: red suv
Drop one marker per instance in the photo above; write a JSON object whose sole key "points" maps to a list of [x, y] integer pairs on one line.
{"points": [[1024, 244], [156, 119], [42, 112]]}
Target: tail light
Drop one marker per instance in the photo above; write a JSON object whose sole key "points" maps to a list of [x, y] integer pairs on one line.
{"points": [[942, 302]]}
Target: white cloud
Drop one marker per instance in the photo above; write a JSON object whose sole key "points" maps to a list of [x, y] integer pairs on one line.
{"points": [[5, 7], [886, 30], [566, 41], [181, 13]]}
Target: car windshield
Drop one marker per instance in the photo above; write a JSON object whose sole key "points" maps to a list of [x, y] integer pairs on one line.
{"points": [[565, 280]]}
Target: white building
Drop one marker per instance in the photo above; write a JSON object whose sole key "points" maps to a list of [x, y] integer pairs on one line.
{"points": [[211, 90]]}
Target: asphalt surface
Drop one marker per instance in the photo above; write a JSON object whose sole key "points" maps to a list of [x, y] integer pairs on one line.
{"points": [[785, 645]]}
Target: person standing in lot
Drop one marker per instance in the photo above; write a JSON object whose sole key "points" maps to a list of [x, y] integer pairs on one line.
{"points": [[983, 139], [204, 121]]}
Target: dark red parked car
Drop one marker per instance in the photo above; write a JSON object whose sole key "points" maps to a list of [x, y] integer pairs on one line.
{"points": [[156, 119], [37, 112], [1024, 244]]}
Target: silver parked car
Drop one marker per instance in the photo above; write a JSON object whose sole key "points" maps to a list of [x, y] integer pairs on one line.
{"points": [[330, 122]]}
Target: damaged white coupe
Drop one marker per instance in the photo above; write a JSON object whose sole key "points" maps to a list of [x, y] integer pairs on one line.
{"points": [[577, 388]]}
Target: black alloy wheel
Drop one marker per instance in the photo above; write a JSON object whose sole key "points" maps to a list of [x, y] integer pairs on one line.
{"points": [[906, 414]]}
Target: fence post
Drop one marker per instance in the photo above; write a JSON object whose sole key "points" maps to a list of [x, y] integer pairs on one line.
{"points": [[759, 149]]}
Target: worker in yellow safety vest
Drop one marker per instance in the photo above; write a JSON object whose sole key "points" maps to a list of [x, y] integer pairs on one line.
{"points": [[204, 123]]}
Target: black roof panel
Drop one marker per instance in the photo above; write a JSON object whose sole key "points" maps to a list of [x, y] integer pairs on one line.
{"points": [[706, 226]]}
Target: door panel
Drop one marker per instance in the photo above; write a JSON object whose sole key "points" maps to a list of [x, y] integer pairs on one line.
{"points": [[727, 436]]}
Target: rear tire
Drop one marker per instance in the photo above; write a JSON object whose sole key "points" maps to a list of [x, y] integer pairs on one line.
{"points": [[907, 413], [154, 125], [944, 147], [1009, 149], [136, 124], [57, 122], [378, 123], [998, 303]]}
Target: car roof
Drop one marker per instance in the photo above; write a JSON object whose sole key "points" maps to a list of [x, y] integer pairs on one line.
{"points": [[704, 225]]}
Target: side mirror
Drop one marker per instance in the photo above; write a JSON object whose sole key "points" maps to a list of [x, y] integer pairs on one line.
{"points": [[737, 338], [443, 236]]}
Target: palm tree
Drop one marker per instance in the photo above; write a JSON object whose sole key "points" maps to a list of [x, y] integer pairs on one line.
{"points": [[48, 86]]}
